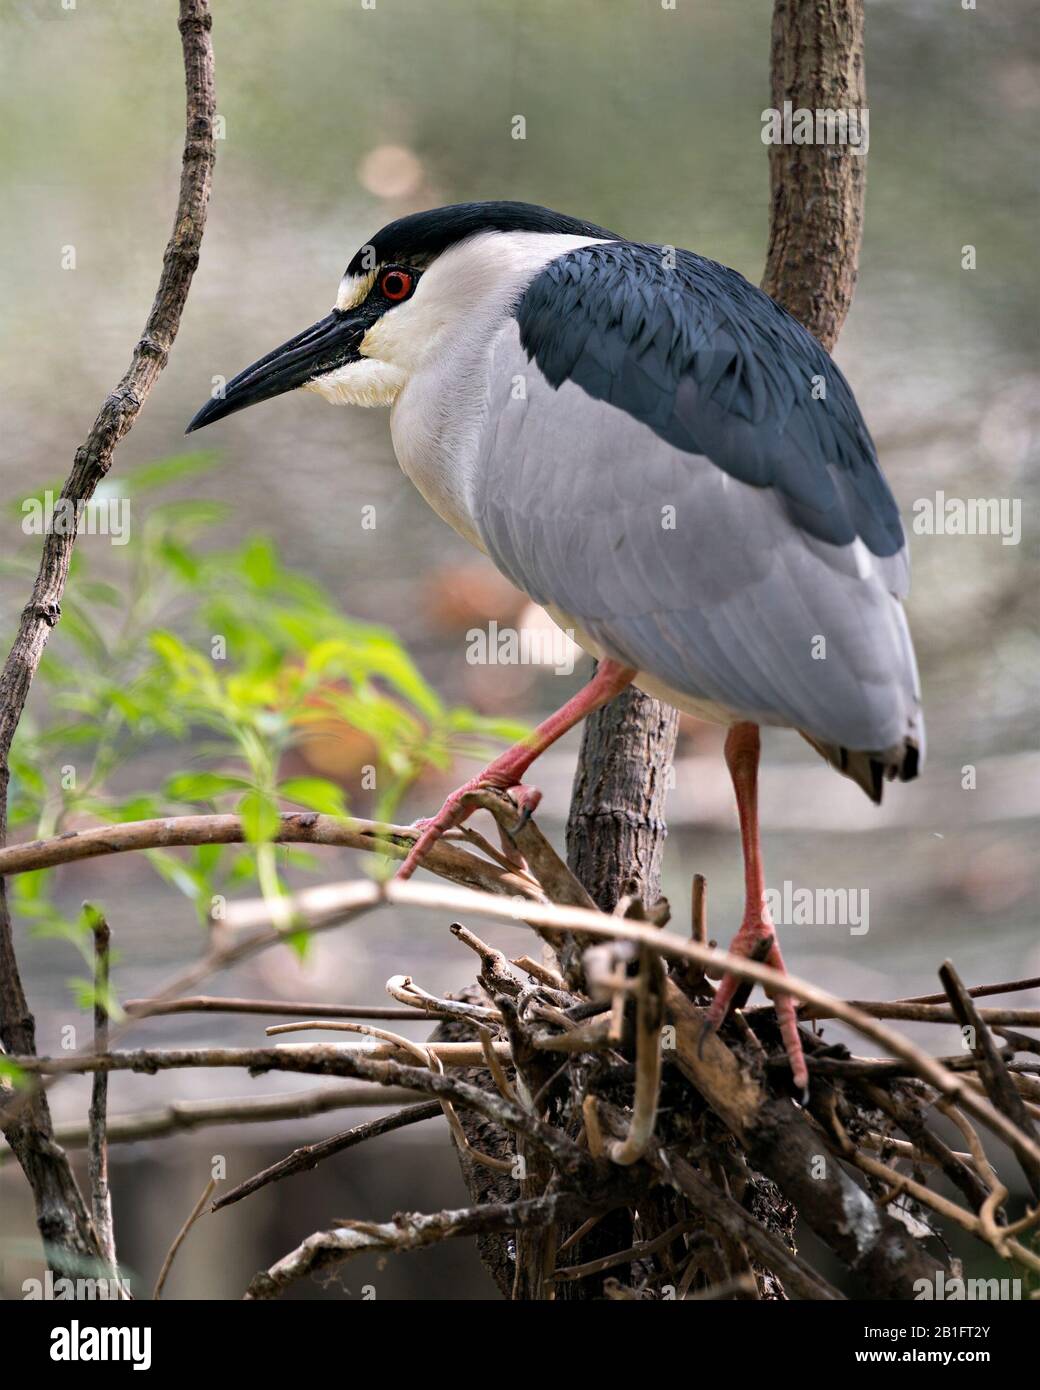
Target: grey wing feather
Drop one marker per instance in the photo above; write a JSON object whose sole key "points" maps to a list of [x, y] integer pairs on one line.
{"points": [[724, 600]]}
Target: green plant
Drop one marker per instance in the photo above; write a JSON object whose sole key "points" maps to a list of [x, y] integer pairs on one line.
{"points": [[225, 660]]}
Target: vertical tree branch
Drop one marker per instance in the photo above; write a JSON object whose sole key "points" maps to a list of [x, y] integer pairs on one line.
{"points": [[616, 827], [61, 1214], [818, 190], [97, 1137]]}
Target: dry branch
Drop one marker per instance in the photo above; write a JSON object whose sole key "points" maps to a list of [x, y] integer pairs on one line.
{"points": [[303, 1159], [97, 1147], [297, 827], [411, 1231], [184, 1116]]}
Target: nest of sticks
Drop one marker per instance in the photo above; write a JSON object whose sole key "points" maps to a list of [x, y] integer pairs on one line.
{"points": [[612, 1147]]}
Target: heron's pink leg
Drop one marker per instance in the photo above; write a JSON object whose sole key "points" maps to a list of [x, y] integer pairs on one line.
{"points": [[757, 935], [507, 769]]}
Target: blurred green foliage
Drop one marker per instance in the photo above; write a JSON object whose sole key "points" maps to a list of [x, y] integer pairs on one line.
{"points": [[231, 657]]}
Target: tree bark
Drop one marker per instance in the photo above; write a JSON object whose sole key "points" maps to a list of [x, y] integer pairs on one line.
{"points": [[818, 191], [616, 828]]}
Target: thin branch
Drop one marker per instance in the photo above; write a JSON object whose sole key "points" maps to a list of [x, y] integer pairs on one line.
{"points": [[97, 1146], [295, 827], [992, 1070], [308, 1156], [649, 1021], [327, 1060], [412, 1231], [196, 1212], [565, 1273], [184, 1116], [278, 1008]]}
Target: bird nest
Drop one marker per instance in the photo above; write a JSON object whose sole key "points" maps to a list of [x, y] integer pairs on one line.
{"points": [[613, 1147]]}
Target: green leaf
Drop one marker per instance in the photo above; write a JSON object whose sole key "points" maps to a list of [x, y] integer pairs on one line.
{"points": [[169, 470], [202, 786], [259, 562], [260, 818], [96, 591], [316, 793], [11, 1073]]}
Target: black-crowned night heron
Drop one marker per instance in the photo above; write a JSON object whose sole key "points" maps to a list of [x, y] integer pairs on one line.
{"points": [[661, 457]]}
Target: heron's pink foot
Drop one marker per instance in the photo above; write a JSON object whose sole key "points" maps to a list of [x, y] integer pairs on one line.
{"points": [[506, 772], [458, 807], [756, 940]]}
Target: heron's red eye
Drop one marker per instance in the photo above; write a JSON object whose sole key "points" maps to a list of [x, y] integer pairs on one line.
{"points": [[396, 285]]}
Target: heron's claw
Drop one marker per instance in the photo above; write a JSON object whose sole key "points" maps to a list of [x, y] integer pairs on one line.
{"points": [[527, 799], [457, 808], [756, 940]]}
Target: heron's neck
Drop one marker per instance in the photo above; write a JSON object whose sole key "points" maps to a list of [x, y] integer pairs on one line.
{"points": [[440, 415]]}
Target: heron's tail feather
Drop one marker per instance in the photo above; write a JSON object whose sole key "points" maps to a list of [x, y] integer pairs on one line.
{"points": [[871, 770]]}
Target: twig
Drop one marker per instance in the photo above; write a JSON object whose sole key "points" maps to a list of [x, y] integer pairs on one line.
{"points": [[649, 1020], [308, 1156], [326, 1060], [295, 827], [624, 1257], [217, 1004], [412, 1231], [184, 1116], [455, 1054], [496, 1069], [171, 1254], [404, 988], [992, 1070], [97, 1145]]}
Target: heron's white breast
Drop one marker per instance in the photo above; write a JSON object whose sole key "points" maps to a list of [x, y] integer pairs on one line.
{"points": [[464, 302]]}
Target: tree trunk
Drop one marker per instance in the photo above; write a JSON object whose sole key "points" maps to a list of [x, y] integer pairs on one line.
{"points": [[816, 212]]}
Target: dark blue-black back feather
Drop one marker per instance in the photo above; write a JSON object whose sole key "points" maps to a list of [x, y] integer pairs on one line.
{"points": [[714, 367]]}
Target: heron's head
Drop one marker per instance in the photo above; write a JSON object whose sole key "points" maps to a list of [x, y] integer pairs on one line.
{"points": [[413, 291]]}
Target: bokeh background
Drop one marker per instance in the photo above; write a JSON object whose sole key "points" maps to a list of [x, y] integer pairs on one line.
{"points": [[337, 119]]}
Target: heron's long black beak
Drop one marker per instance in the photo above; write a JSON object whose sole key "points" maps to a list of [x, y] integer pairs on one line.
{"points": [[328, 344]]}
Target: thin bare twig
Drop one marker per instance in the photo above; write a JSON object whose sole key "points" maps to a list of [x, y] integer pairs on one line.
{"points": [[412, 1231], [992, 1070], [308, 1156], [97, 1146], [171, 1254], [295, 827], [217, 1004], [184, 1116]]}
